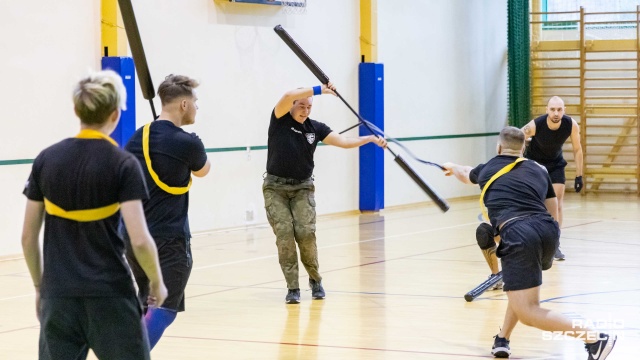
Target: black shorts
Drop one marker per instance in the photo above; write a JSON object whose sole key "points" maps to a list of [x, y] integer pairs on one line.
{"points": [[527, 246], [175, 262], [111, 326], [557, 175], [556, 170]]}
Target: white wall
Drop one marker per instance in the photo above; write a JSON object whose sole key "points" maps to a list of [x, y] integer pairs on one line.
{"points": [[46, 47], [445, 73], [244, 69], [445, 76]]}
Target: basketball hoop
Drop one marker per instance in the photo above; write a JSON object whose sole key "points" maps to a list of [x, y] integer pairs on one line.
{"points": [[294, 6]]}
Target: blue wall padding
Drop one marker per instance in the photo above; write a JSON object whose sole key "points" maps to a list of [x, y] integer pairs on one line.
{"points": [[371, 105], [124, 66]]}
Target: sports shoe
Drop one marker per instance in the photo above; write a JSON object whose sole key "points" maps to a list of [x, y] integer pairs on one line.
{"points": [[500, 347], [600, 349], [293, 296], [559, 255], [498, 286], [317, 291]]}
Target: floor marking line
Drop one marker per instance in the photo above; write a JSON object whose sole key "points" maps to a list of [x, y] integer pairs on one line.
{"points": [[329, 346], [337, 245]]}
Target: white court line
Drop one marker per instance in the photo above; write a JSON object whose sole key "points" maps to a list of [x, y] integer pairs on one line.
{"points": [[602, 220], [336, 245], [17, 297], [582, 219], [323, 247], [232, 229], [344, 244], [376, 239]]}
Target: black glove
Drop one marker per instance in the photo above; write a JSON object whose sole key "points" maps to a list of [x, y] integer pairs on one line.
{"points": [[578, 184]]}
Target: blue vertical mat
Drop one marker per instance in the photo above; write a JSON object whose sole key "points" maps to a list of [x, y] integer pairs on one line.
{"points": [[371, 105], [125, 67]]}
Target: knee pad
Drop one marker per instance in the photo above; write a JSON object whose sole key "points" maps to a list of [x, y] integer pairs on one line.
{"points": [[484, 236]]}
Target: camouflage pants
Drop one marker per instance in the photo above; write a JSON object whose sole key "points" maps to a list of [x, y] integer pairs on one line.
{"points": [[291, 211]]}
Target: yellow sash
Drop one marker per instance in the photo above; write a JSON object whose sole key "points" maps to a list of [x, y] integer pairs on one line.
{"points": [[502, 171], [145, 151], [81, 215], [87, 214], [94, 134]]}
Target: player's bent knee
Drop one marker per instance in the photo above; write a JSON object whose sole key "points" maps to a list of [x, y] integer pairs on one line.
{"points": [[529, 316], [283, 229], [484, 236], [305, 232], [527, 320]]}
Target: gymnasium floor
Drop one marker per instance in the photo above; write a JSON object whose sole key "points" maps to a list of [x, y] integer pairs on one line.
{"points": [[394, 285]]}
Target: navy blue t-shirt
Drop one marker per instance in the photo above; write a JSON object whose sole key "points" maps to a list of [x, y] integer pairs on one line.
{"points": [[291, 146], [522, 191], [546, 144], [84, 258], [174, 155]]}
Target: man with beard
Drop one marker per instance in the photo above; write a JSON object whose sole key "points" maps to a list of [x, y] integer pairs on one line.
{"points": [[548, 133]]}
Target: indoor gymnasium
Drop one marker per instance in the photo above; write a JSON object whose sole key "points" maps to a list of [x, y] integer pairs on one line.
{"points": [[320, 179]]}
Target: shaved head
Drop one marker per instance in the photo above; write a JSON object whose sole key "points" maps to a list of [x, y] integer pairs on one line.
{"points": [[555, 109], [555, 101]]}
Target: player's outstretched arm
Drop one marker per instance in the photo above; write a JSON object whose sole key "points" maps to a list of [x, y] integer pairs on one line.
{"points": [[344, 142], [461, 172]]}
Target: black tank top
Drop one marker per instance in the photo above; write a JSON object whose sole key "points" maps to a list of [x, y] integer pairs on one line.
{"points": [[546, 144]]}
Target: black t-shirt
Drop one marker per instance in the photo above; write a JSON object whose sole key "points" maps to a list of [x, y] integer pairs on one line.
{"points": [[174, 155], [84, 258], [519, 192], [546, 144], [291, 146]]}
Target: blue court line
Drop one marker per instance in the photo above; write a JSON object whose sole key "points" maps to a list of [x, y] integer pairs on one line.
{"points": [[590, 293], [597, 304], [563, 265], [349, 292], [600, 241], [583, 224], [407, 257], [490, 295]]}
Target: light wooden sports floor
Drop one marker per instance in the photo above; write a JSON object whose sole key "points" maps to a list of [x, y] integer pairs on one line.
{"points": [[394, 285]]}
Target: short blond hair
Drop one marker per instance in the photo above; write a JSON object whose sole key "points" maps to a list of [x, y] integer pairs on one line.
{"points": [[98, 95]]}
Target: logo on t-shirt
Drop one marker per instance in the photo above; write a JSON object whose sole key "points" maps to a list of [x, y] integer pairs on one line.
{"points": [[310, 137]]}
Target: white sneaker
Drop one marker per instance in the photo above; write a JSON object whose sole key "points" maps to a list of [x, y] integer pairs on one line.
{"points": [[498, 286]]}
